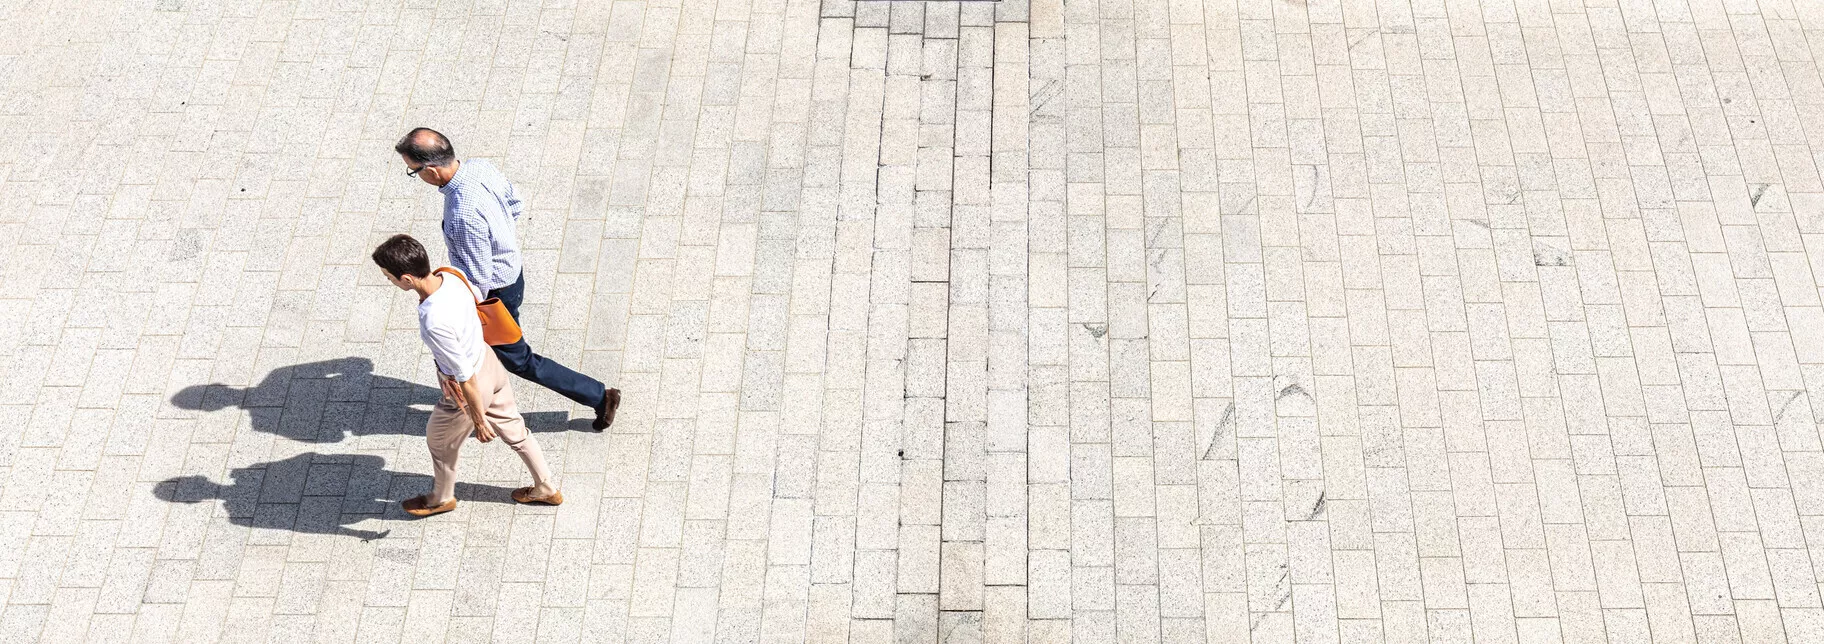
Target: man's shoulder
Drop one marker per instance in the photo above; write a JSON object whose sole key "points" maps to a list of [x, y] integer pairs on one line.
{"points": [[447, 303], [482, 169], [476, 179], [456, 285]]}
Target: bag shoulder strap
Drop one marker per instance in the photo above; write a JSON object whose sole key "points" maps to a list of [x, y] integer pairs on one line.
{"points": [[465, 281]]}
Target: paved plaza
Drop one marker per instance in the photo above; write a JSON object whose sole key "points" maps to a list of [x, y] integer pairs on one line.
{"points": [[984, 321]]}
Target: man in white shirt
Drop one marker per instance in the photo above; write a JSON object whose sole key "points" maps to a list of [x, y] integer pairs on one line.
{"points": [[477, 396]]}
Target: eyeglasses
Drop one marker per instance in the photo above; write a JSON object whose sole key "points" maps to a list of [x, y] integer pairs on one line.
{"points": [[414, 171]]}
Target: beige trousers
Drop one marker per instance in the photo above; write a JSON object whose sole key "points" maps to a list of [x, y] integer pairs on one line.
{"points": [[449, 427]]}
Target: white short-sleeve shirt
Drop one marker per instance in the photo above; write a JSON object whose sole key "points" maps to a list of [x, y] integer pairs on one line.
{"points": [[449, 325]]}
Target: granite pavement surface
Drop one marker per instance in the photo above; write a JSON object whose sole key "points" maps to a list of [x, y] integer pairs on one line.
{"points": [[1018, 321]]}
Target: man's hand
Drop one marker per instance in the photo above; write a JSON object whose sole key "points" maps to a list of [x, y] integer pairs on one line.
{"points": [[452, 391], [471, 403]]}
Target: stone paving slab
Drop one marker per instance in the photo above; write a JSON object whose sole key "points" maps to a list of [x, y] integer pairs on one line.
{"points": [[997, 321]]}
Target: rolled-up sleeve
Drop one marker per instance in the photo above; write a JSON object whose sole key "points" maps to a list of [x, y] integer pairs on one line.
{"points": [[515, 207], [449, 360], [466, 235]]}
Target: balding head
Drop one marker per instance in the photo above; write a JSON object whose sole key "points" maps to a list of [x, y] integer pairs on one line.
{"points": [[426, 147]]}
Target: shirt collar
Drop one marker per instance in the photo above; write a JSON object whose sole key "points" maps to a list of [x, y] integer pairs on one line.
{"points": [[456, 180]]}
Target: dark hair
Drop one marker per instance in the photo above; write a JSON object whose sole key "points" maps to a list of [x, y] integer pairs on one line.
{"points": [[426, 146], [401, 255]]}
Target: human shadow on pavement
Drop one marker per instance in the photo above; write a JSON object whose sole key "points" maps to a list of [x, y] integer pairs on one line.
{"points": [[317, 493], [323, 402]]}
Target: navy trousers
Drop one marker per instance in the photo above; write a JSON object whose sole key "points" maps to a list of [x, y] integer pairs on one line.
{"points": [[521, 361]]}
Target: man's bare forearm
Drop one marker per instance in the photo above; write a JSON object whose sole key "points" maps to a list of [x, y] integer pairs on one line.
{"points": [[472, 402]]}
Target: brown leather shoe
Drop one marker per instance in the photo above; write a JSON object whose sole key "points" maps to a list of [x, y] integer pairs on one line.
{"points": [[524, 495], [415, 506], [604, 415]]}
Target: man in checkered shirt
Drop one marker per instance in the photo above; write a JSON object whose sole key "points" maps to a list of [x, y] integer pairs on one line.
{"points": [[479, 210]]}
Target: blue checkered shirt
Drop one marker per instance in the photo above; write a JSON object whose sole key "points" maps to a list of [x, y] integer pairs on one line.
{"points": [[479, 208]]}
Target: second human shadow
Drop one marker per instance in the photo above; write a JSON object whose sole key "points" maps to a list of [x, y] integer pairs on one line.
{"points": [[324, 402], [316, 494]]}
